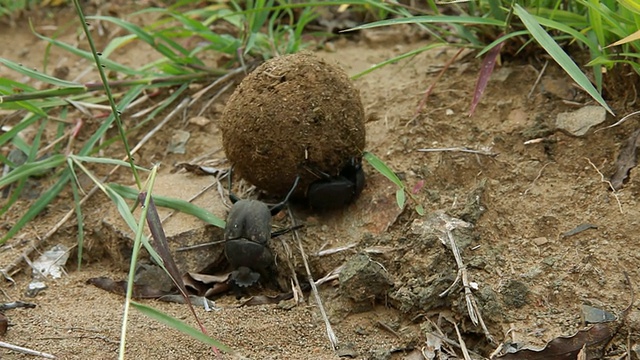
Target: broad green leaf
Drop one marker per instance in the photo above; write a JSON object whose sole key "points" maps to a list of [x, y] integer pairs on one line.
{"points": [[556, 52]]}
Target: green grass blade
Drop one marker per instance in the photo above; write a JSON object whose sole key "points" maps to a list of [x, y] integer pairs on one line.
{"points": [[180, 326], [556, 52], [398, 58], [13, 133], [36, 75], [107, 161], [38, 206], [465, 20], [109, 64], [171, 203], [32, 168]]}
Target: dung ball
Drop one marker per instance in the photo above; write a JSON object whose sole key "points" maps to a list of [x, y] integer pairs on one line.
{"points": [[293, 115]]}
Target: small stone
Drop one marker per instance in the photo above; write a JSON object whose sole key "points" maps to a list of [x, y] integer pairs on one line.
{"points": [[199, 120], [578, 123], [540, 241]]}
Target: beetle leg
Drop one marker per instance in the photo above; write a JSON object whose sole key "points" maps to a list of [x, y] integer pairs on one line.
{"points": [[284, 231], [233, 197], [279, 206]]}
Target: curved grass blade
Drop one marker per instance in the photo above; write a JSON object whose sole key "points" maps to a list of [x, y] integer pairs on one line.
{"points": [[107, 161], [33, 168], [398, 58], [109, 64], [33, 74], [171, 203], [488, 64], [556, 52], [382, 168], [180, 326]]}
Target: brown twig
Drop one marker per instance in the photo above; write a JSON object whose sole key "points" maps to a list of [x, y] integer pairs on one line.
{"points": [[459, 149], [446, 66], [613, 190]]}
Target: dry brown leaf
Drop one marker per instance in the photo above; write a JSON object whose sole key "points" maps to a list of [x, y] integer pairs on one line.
{"points": [[592, 339], [626, 161], [120, 288]]}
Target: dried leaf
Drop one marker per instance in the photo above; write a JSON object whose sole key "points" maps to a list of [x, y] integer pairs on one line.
{"points": [[626, 161], [629, 38], [206, 285], [209, 279], [199, 169], [265, 299], [488, 63], [592, 339], [216, 289], [120, 288]]}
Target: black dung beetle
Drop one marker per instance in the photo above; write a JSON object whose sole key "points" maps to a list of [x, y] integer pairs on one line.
{"points": [[334, 192], [246, 236]]}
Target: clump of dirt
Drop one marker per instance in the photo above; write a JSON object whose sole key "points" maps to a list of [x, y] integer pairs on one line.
{"points": [[294, 115]]}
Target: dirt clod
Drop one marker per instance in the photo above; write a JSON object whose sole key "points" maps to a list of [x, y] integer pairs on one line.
{"points": [[292, 112], [363, 279], [515, 293]]}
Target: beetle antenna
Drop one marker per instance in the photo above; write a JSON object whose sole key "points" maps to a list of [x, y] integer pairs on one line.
{"points": [[277, 207]]}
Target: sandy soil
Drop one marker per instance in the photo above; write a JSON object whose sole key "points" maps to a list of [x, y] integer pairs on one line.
{"points": [[532, 280]]}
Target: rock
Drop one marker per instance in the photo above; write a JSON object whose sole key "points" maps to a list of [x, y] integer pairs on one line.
{"points": [[292, 111], [578, 122], [363, 279]]}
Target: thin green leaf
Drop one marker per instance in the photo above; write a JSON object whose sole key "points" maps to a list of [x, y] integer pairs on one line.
{"points": [[36, 75], [398, 58], [465, 20], [109, 64], [175, 204], [556, 52], [33, 168], [420, 209], [97, 160], [383, 169], [180, 326], [38, 206]]}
